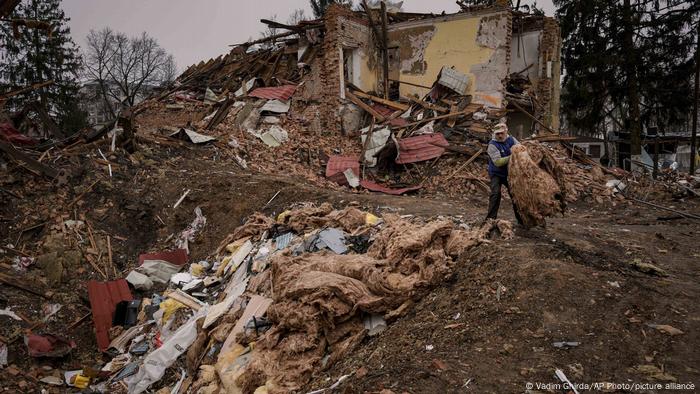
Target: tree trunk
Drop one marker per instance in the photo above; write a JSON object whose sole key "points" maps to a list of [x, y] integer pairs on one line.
{"points": [[635, 124], [693, 144]]}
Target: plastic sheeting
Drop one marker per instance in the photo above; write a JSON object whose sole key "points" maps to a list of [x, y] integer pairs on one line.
{"points": [[375, 144], [155, 364]]}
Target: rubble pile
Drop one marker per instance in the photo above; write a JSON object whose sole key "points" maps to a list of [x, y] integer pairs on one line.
{"points": [[324, 304], [445, 155], [280, 299], [276, 106]]}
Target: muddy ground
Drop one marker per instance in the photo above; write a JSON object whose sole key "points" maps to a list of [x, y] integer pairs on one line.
{"points": [[489, 328]]}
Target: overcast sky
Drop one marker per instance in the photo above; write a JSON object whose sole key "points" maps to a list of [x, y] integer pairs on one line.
{"points": [[198, 30]]}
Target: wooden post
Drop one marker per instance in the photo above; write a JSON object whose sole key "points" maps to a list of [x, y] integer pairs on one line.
{"points": [[693, 144], [655, 171], [385, 50]]}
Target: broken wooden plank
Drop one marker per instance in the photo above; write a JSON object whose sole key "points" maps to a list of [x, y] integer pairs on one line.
{"points": [[468, 162], [15, 282], [277, 25], [552, 138], [372, 25], [686, 214], [364, 106], [430, 106], [26, 89], [31, 164], [220, 114], [185, 299], [266, 39], [452, 120], [385, 50], [465, 112], [411, 84], [81, 195], [11, 193], [388, 103]]}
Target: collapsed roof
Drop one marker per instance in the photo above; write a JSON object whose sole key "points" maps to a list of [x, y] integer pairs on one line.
{"points": [[507, 59]]}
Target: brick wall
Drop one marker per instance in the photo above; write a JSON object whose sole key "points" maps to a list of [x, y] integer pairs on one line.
{"points": [[330, 73], [547, 89], [343, 28]]}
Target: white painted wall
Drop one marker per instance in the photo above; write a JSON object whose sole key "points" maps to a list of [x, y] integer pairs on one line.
{"points": [[525, 50]]}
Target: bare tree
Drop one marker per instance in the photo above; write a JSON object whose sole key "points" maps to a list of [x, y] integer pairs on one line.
{"points": [[269, 32], [297, 16], [125, 68]]}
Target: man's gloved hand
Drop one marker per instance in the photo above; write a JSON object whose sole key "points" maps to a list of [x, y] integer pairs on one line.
{"points": [[502, 161]]}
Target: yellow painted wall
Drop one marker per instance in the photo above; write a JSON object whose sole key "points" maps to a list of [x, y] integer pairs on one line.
{"points": [[368, 75], [453, 44], [355, 36]]}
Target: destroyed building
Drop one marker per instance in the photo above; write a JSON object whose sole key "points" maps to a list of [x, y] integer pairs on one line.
{"points": [[491, 56]]}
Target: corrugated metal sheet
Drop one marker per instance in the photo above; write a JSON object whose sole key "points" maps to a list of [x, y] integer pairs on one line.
{"points": [[11, 135], [383, 110], [375, 187], [283, 240], [398, 122], [283, 92], [337, 164], [421, 148], [104, 297], [176, 257]]}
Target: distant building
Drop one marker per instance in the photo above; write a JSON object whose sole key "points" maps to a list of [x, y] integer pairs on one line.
{"points": [[93, 103], [594, 147], [671, 147]]}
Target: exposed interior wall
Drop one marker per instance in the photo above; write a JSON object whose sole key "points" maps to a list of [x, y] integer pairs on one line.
{"points": [[536, 43], [520, 125], [346, 35], [476, 44], [524, 53], [354, 39]]}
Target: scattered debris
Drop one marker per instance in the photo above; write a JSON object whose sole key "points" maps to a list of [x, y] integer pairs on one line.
{"points": [[48, 345], [565, 345], [290, 294], [666, 329], [647, 268]]}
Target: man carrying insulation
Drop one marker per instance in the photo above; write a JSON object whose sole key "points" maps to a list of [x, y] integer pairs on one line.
{"points": [[499, 155]]}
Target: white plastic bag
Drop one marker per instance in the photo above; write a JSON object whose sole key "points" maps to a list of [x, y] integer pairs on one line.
{"points": [[155, 364]]}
